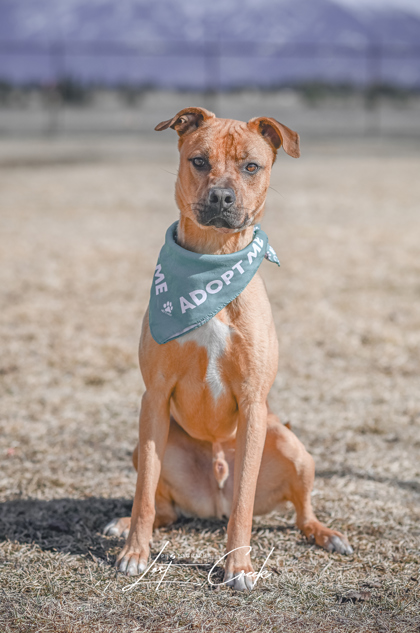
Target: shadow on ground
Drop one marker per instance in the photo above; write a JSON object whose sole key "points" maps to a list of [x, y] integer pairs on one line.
{"points": [[75, 525], [410, 484], [64, 525]]}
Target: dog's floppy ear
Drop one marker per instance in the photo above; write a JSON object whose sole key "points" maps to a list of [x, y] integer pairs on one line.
{"points": [[187, 120], [277, 134]]}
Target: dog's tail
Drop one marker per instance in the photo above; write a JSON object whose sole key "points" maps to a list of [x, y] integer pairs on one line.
{"points": [[220, 465]]}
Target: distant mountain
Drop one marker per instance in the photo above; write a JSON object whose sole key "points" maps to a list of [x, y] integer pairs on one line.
{"points": [[168, 42]]}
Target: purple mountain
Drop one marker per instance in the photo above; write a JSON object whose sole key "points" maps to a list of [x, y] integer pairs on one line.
{"points": [[196, 44]]}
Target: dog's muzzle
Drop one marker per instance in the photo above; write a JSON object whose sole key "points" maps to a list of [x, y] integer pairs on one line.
{"points": [[219, 209]]}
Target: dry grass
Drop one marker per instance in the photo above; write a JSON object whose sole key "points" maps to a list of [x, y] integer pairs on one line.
{"points": [[78, 245]]}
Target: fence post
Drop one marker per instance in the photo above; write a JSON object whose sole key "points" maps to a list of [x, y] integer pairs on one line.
{"points": [[212, 75], [57, 61], [372, 90]]}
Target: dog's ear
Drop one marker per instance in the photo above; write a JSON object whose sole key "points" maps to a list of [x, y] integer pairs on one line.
{"points": [[277, 134], [187, 120]]}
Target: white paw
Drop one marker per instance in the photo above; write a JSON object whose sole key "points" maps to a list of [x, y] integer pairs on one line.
{"points": [[131, 565], [239, 581], [117, 527], [339, 544]]}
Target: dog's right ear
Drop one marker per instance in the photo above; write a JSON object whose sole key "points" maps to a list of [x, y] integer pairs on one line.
{"points": [[186, 121]]}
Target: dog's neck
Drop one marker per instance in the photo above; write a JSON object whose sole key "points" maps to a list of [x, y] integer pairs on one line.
{"points": [[210, 241]]}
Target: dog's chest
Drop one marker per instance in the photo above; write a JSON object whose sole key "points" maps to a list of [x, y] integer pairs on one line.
{"points": [[213, 336]]}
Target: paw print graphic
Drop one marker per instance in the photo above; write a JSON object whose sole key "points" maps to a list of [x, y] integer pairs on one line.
{"points": [[167, 308]]}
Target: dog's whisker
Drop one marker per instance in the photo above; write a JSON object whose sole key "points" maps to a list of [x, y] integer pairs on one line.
{"points": [[168, 172], [280, 194]]}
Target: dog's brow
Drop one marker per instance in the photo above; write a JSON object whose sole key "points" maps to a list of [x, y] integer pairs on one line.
{"points": [[247, 153], [203, 153]]}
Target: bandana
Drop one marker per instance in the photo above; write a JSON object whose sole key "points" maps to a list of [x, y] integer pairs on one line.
{"points": [[189, 288]]}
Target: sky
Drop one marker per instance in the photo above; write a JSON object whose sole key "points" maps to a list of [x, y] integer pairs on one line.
{"points": [[412, 5]]}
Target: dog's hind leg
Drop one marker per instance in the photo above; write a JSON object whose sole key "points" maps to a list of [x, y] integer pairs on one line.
{"points": [[287, 474], [164, 506], [306, 521]]}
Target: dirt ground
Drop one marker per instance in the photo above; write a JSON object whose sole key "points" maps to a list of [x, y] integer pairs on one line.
{"points": [[81, 226]]}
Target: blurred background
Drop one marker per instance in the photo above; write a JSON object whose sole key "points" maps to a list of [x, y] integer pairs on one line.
{"points": [[336, 67]]}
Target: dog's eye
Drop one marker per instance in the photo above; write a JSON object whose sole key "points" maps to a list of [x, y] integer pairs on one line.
{"points": [[252, 168], [198, 162]]}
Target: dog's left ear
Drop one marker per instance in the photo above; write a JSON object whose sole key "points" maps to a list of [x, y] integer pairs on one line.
{"points": [[276, 134], [187, 120]]}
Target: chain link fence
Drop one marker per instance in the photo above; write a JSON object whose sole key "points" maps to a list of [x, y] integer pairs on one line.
{"points": [[114, 87]]}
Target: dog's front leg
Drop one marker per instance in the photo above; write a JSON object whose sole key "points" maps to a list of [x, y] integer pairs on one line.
{"points": [[250, 438], [153, 434]]}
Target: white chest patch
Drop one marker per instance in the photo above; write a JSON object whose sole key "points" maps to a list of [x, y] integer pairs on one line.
{"points": [[213, 336]]}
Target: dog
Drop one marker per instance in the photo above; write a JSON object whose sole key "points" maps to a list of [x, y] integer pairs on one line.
{"points": [[208, 443]]}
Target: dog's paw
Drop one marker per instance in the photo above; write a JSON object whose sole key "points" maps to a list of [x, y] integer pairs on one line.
{"points": [[118, 527], [331, 540], [130, 562], [240, 580], [337, 542], [239, 574]]}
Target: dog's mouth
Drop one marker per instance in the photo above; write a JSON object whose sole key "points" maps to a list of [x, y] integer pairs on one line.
{"points": [[220, 223], [233, 221], [224, 225]]}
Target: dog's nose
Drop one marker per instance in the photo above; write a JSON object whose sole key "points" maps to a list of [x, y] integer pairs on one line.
{"points": [[222, 198]]}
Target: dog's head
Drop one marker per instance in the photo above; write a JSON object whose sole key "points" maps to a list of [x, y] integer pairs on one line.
{"points": [[225, 166]]}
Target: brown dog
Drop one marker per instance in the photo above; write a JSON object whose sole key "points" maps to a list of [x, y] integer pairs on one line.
{"points": [[204, 415]]}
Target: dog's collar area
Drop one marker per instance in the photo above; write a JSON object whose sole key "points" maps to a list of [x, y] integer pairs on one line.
{"points": [[190, 288], [270, 253]]}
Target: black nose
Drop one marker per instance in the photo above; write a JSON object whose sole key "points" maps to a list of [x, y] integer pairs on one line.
{"points": [[222, 198]]}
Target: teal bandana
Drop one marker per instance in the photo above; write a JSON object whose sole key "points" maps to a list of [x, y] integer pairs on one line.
{"points": [[189, 288]]}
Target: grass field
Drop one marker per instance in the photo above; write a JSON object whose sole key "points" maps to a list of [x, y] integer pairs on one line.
{"points": [[81, 227]]}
